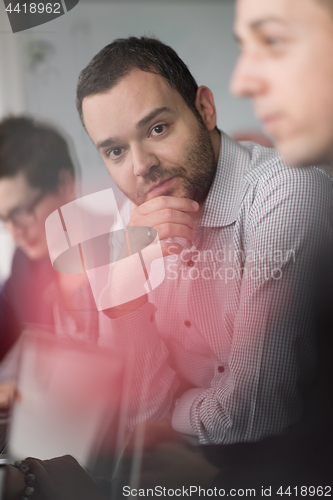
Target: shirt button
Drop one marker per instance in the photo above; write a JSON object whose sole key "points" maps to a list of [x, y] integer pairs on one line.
{"points": [[220, 369], [190, 263], [152, 317], [187, 323]]}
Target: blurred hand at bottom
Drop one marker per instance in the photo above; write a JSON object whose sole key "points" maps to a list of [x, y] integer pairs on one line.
{"points": [[7, 393], [60, 478]]}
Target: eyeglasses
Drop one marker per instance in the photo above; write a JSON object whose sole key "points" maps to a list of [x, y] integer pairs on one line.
{"points": [[24, 216]]}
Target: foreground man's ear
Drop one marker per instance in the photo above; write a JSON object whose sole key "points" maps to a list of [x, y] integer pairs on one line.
{"points": [[204, 103]]}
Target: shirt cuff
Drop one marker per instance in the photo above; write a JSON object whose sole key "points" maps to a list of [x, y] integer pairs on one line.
{"points": [[181, 414], [136, 331]]}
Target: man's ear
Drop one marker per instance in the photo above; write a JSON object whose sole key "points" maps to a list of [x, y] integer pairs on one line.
{"points": [[204, 102], [66, 185]]}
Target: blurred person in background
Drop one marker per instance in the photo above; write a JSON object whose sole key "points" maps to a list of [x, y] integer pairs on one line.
{"points": [[37, 176]]}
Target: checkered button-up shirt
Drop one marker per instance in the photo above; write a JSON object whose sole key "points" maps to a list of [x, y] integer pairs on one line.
{"points": [[235, 315]]}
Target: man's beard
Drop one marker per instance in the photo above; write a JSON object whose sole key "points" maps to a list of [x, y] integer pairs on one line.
{"points": [[197, 174]]}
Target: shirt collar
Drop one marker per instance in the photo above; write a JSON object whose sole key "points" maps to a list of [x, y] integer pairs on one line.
{"points": [[227, 190]]}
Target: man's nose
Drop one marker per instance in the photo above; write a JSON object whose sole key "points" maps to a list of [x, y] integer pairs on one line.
{"points": [[143, 160], [246, 80]]}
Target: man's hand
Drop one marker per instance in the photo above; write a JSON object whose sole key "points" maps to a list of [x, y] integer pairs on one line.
{"points": [[14, 483], [171, 217], [62, 478]]}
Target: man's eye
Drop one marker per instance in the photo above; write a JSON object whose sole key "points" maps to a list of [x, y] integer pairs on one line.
{"points": [[159, 129], [272, 41], [114, 153]]}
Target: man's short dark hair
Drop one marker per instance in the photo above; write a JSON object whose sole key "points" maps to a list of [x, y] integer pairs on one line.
{"points": [[328, 3], [35, 149], [118, 58]]}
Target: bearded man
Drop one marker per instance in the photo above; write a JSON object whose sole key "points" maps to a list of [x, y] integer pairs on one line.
{"points": [[235, 315]]}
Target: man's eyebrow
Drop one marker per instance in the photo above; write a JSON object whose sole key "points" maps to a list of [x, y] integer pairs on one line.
{"points": [[11, 212], [255, 25], [110, 141], [258, 24], [152, 115]]}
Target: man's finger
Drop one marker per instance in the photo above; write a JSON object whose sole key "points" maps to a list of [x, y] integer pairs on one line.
{"points": [[171, 249], [164, 216], [182, 204], [168, 230]]}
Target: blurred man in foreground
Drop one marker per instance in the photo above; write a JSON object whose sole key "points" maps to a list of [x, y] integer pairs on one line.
{"points": [[286, 68]]}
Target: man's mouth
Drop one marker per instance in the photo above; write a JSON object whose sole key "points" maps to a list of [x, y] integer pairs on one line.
{"points": [[27, 243], [161, 186], [270, 120]]}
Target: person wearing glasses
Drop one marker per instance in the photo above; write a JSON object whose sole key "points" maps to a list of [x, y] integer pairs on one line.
{"points": [[37, 176]]}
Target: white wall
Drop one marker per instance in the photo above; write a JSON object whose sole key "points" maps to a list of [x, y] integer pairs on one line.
{"points": [[41, 65], [11, 100]]}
